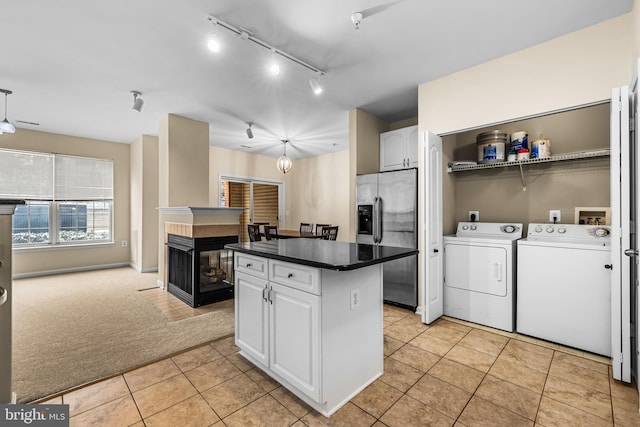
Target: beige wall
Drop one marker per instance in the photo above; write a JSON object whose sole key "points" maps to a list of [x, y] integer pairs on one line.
{"points": [[317, 193], [184, 162], [43, 260], [314, 189], [635, 13], [144, 202], [364, 141], [575, 69]]}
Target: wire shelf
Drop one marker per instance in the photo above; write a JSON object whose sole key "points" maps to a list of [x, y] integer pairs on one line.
{"points": [[579, 155]]}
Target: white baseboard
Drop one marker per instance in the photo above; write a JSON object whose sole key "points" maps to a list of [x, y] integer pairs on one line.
{"points": [[139, 269], [160, 284], [70, 270]]}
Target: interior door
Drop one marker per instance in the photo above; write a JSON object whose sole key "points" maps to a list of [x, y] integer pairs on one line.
{"points": [[431, 212], [623, 211]]}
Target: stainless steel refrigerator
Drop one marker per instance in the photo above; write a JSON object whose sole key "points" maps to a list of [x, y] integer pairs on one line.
{"points": [[387, 204]]}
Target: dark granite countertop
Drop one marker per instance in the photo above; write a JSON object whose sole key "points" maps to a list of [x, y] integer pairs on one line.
{"points": [[11, 202], [327, 254]]}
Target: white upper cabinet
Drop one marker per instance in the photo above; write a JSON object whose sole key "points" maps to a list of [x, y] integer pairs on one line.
{"points": [[399, 149]]}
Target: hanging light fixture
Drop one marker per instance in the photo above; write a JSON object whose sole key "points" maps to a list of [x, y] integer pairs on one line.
{"points": [[138, 102], [284, 163], [5, 125], [249, 131]]}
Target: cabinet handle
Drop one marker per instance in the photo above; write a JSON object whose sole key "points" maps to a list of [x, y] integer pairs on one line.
{"points": [[270, 299], [248, 265], [608, 266], [264, 294], [289, 276]]}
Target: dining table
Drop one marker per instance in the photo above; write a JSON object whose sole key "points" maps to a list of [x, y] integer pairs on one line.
{"points": [[294, 234]]}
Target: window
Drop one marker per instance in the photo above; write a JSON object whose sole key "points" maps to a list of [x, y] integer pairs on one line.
{"points": [[69, 200]]}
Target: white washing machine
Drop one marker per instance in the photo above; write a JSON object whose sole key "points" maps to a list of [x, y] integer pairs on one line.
{"points": [[564, 285], [479, 273]]}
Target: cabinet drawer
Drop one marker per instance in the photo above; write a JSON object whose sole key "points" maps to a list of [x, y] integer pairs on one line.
{"points": [[297, 276], [250, 264]]}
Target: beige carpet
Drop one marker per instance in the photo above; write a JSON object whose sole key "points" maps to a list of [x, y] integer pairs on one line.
{"points": [[71, 329]]}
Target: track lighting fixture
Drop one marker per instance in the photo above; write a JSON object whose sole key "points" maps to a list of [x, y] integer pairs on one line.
{"points": [[5, 125], [138, 102], [356, 18], [273, 67], [314, 82], [249, 131], [284, 163]]}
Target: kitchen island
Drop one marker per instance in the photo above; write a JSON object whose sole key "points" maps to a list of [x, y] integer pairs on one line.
{"points": [[308, 313]]}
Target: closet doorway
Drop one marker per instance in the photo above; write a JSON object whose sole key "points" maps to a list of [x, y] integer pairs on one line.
{"points": [[263, 201]]}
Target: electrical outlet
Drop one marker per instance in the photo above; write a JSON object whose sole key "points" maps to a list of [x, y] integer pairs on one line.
{"points": [[125, 243], [554, 216], [474, 216], [355, 298]]}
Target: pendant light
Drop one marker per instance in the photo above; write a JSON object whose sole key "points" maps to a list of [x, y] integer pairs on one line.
{"points": [[284, 163], [5, 125]]}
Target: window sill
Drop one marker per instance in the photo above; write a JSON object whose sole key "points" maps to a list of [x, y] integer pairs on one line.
{"points": [[40, 248]]}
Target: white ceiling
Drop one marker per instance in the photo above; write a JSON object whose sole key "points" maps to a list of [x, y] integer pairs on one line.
{"points": [[72, 63]]}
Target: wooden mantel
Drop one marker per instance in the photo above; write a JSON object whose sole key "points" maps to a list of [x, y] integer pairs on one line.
{"points": [[197, 222]]}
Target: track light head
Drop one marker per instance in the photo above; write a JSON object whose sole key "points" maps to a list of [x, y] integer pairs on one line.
{"points": [[356, 18], [249, 131], [138, 102], [316, 87]]}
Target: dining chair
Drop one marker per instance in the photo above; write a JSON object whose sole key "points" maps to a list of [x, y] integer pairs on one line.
{"points": [[254, 233], [261, 225], [330, 232], [306, 229], [271, 232], [319, 228]]}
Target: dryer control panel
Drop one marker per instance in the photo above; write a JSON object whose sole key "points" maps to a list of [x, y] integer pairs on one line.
{"points": [[496, 230]]}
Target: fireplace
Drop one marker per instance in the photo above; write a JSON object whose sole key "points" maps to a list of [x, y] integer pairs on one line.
{"points": [[200, 270]]}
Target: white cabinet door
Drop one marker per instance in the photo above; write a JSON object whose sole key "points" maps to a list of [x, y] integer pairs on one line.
{"points": [[411, 146], [392, 152], [399, 149], [295, 338], [252, 316]]}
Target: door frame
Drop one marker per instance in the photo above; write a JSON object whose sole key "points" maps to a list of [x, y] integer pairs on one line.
{"points": [[254, 180]]}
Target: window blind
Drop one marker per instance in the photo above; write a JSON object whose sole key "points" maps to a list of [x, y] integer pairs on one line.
{"points": [[26, 175], [42, 176], [81, 178]]}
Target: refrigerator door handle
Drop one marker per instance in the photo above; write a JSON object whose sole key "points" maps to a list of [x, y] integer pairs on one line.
{"points": [[377, 219]]}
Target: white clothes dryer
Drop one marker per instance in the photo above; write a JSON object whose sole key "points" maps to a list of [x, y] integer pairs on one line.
{"points": [[479, 273], [564, 285]]}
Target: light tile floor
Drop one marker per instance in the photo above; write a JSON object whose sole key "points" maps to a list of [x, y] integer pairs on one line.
{"points": [[444, 374]]}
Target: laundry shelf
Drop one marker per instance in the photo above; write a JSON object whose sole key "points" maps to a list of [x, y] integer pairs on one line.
{"points": [[578, 155]]}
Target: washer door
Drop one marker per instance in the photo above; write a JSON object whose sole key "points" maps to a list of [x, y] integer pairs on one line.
{"points": [[476, 268]]}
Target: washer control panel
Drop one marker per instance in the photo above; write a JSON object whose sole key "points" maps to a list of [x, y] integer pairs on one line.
{"points": [[574, 232], [489, 230]]}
